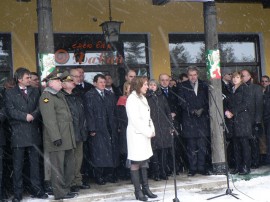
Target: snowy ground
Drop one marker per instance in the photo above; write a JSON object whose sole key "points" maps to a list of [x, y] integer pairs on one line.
{"points": [[253, 187], [256, 189]]}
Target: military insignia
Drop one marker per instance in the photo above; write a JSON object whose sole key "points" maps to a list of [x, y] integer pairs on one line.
{"points": [[46, 100]]}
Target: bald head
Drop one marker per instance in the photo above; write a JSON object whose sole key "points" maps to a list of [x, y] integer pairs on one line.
{"points": [[164, 80], [246, 75], [130, 75], [76, 76]]}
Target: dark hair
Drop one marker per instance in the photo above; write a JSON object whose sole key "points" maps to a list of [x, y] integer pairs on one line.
{"points": [[34, 73], [107, 75], [9, 83], [192, 69], [98, 76], [181, 76], [130, 70], [137, 83], [20, 72], [265, 76]]}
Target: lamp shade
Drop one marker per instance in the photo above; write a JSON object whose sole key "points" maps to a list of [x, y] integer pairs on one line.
{"points": [[111, 30]]}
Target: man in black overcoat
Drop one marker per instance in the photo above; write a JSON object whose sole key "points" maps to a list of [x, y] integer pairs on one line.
{"points": [[21, 103], [256, 113], [102, 126], [2, 144], [180, 153], [195, 121], [81, 87]]}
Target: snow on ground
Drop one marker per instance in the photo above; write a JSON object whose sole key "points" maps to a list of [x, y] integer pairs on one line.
{"points": [[257, 189]]}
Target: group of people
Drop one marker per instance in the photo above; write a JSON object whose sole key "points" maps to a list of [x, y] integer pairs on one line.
{"points": [[72, 130]]}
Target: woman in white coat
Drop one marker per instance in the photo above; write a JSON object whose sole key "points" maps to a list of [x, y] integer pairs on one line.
{"points": [[140, 130]]}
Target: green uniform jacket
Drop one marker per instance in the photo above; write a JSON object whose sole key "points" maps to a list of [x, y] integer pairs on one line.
{"points": [[57, 121]]}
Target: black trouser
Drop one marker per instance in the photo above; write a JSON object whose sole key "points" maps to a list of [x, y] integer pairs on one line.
{"points": [[242, 152], [159, 162], [18, 162], [255, 148], [1, 171], [267, 134], [86, 164], [196, 152]]}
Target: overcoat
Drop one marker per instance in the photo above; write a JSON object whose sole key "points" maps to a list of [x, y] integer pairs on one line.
{"points": [[75, 103], [2, 118], [140, 128], [161, 116], [122, 123], [57, 121], [24, 134], [101, 118], [239, 104], [193, 126], [256, 103]]}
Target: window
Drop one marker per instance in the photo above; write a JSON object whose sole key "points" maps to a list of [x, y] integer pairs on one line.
{"points": [[238, 51], [5, 57]]}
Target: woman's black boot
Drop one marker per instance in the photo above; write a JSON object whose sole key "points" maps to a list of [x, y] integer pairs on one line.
{"points": [[135, 178], [145, 187]]}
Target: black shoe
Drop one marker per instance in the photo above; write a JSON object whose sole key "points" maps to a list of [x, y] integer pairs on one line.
{"points": [[203, 172], [48, 188], [164, 177], [69, 195], [100, 181], [234, 171], [245, 171], [156, 178], [15, 199], [74, 189], [41, 195], [85, 186], [191, 173]]}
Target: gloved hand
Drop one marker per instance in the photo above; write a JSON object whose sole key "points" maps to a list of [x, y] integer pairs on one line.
{"points": [[58, 142], [198, 112]]}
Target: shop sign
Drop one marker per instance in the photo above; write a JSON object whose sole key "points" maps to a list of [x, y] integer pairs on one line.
{"points": [[64, 58]]}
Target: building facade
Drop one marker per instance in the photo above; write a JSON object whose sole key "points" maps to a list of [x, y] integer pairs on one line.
{"points": [[154, 39]]}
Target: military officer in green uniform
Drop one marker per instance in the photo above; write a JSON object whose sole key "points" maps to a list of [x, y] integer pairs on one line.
{"points": [[58, 137]]}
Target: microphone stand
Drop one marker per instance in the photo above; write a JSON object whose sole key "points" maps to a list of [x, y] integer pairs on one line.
{"points": [[153, 94], [229, 191]]}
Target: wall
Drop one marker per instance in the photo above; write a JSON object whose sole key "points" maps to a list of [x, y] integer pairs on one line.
{"points": [[138, 16]]}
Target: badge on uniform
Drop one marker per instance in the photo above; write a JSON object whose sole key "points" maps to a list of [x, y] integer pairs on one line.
{"points": [[46, 100]]}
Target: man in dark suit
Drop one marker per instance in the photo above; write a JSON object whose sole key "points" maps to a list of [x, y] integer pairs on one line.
{"points": [[169, 93], [111, 87], [22, 109], [195, 123], [2, 144], [226, 86], [130, 74], [81, 87], [78, 77], [102, 126], [256, 112]]}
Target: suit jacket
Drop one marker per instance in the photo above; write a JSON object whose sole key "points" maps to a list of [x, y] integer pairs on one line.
{"points": [[82, 90], [24, 134], [194, 126]]}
